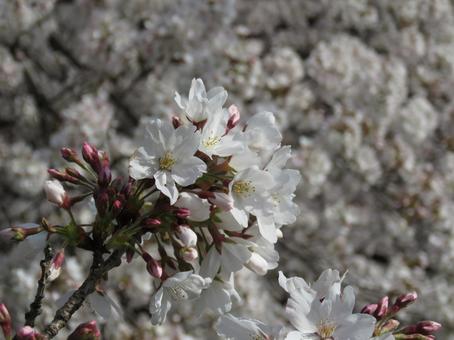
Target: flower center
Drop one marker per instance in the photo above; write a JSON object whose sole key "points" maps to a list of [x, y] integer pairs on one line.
{"points": [[326, 329], [178, 293], [166, 162], [243, 187], [211, 141], [257, 337]]}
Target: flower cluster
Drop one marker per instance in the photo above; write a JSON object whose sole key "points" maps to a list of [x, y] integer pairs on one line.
{"points": [[206, 196], [324, 311]]}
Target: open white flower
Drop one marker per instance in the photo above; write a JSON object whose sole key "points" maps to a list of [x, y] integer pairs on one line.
{"points": [[324, 317], [215, 140], [218, 297], [235, 328], [200, 104], [250, 190], [179, 287], [168, 157]]}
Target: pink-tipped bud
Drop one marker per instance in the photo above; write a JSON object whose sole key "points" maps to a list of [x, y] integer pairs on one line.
{"points": [[234, 118], [28, 333], [152, 223], [117, 205], [369, 309], [55, 267], [186, 236], [86, 331], [55, 192], [20, 233], [62, 177], [222, 200], [5, 322], [183, 212], [74, 173], [176, 122], [382, 307], [189, 254], [91, 156], [153, 266], [427, 327], [105, 175], [390, 326], [406, 299], [70, 155]]}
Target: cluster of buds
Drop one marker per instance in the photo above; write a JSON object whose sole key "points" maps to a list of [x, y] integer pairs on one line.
{"points": [[210, 194], [385, 314], [85, 331]]}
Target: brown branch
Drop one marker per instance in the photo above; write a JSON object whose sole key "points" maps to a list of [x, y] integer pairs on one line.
{"points": [[97, 271], [35, 306]]}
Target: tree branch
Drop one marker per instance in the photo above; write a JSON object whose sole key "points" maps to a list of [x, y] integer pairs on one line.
{"points": [[97, 271], [35, 306]]}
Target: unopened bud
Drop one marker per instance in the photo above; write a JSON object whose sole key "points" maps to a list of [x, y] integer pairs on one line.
{"points": [[70, 155], [102, 202], [186, 236], [183, 213], [369, 309], [86, 331], [117, 205], [105, 175], [55, 267], [176, 122], [91, 156], [189, 254], [153, 266], [5, 322], [390, 326], [73, 173], [60, 176], [20, 233], [427, 327], [234, 118], [28, 333], [382, 307], [222, 200], [257, 264], [55, 192], [152, 223], [406, 299]]}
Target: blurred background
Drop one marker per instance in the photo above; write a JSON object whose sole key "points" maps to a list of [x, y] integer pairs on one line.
{"points": [[362, 90]]}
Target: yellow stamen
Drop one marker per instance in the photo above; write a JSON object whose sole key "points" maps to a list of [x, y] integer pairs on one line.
{"points": [[166, 162], [326, 329], [211, 141], [243, 187]]}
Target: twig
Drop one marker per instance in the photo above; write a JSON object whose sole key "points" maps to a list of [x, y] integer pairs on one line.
{"points": [[97, 271], [35, 306]]}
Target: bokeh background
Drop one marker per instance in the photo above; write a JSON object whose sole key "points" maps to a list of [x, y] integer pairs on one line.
{"points": [[362, 90]]}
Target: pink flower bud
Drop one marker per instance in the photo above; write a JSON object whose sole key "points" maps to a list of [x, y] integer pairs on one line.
{"points": [[86, 331], [234, 118], [189, 254], [222, 200], [55, 192], [74, 173], [91, 156], [153, 266], [55, 267], [427, 327], [369, 309], [152, 223], [102, 201], [176, 122], [105, 175], [390, 326], [60, 176], [186, 236], [28, 333], [70, 155], [257, 264], [183, 213], [382, 307], [406, 299], [5, 321]]}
